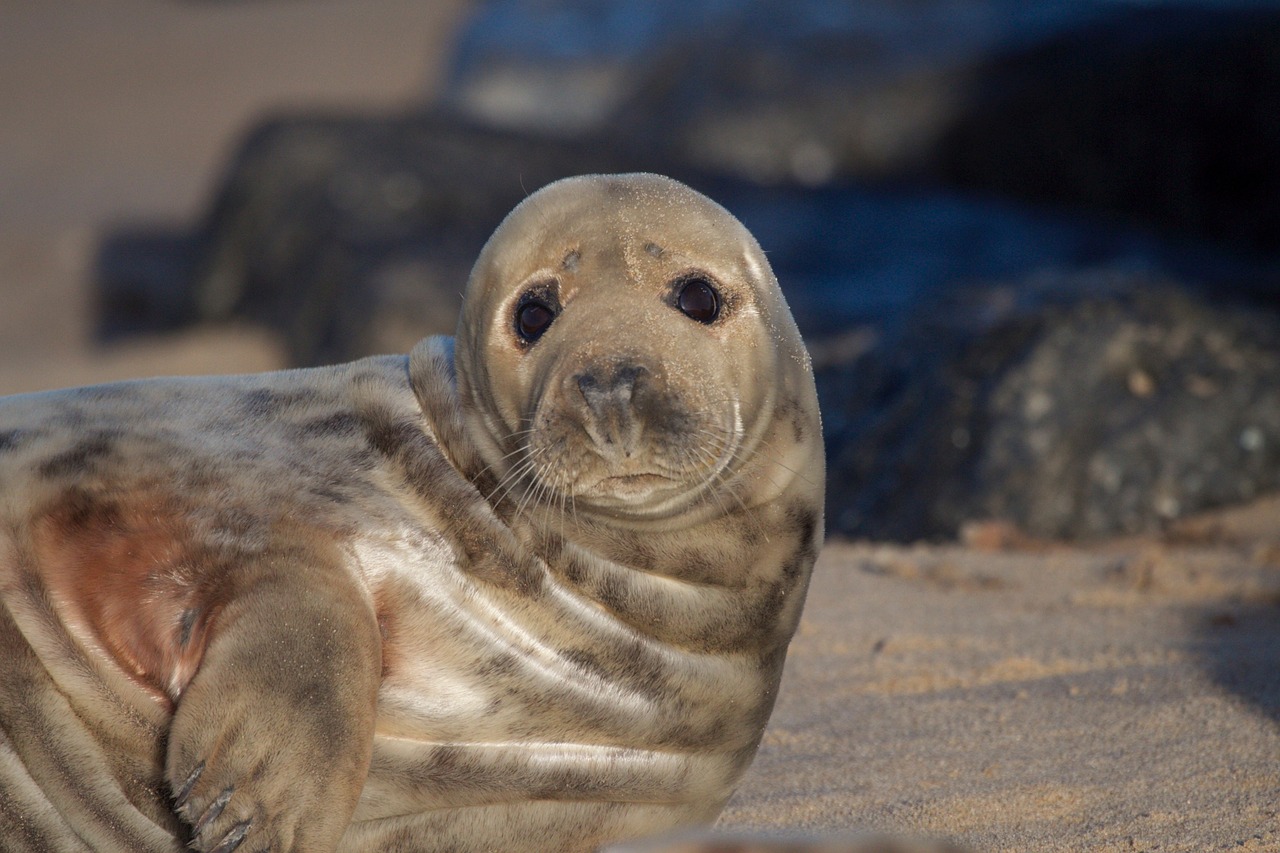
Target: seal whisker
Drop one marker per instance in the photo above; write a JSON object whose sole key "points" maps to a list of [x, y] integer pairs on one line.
{"points": [[492, 465], [539, 484], [560, 507], [716, 484], [529, 491], [757, 452], [503, 488], [513, 475], [711, 486]]}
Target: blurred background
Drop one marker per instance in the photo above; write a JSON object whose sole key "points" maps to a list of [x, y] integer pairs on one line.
{"points": [[1034, 246], [124, 117]]}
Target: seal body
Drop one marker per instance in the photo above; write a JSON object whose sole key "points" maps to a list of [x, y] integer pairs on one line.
{"points": [[531, 593]]}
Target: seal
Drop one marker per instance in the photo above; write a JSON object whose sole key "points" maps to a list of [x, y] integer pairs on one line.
{"points": [[531, 588]]}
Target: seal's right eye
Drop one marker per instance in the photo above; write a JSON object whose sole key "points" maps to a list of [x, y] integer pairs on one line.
{"points": [[534, 315], [698, 300]]}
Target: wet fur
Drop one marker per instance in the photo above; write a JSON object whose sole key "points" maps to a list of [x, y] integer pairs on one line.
{"points": [[320, 609]]}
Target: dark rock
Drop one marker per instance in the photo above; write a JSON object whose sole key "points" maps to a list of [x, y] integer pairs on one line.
{"points": [[565, 67], [814, 92], [851, 256], [1067, 416], [1167, 115], [1164, 115], [769, 90], [356, 235], [145, 275]]}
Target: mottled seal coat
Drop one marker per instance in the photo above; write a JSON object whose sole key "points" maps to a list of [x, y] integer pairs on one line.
{"points": [[532, 595]]}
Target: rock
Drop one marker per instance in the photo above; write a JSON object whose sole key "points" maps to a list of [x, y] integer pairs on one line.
{"points": [[1167, 115], [565, 67], [770, 91], [1073, 417], [356, 235], [144, 276]]}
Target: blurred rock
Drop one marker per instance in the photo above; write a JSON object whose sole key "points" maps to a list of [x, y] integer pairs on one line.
{"points": [[1167, 114], [565, 68], [356, 235], [1068, 416], [145, 273], [814, 92], [771, 90], [1164, 115]]}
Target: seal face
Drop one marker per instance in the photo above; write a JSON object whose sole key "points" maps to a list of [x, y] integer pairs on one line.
{"points": [[530, 589], [627, 358]]}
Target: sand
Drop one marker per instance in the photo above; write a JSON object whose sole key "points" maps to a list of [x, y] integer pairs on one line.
{"points": [[1116, 697], [1007, 694]]}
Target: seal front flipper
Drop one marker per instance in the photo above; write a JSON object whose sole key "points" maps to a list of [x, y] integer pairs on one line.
{"points": [[271, 741]]}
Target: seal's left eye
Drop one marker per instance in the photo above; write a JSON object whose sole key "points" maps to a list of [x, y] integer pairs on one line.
{"points": [[698, 300], [533, 317]]}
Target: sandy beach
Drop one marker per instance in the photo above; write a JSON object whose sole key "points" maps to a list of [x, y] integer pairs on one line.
{"points": [[1109, 698], [1001, 692]]}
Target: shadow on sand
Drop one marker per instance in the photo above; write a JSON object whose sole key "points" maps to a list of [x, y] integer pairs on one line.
{"points": [[1240, 646]]}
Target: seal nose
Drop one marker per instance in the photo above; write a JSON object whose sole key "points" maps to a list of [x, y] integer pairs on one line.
{"points": [[610, 395]]}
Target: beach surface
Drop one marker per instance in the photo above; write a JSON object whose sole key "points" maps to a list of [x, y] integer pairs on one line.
{"points": [[1021, 696]]}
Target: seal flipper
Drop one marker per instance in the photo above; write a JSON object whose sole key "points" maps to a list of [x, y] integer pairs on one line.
{"points": [[271, 740]]}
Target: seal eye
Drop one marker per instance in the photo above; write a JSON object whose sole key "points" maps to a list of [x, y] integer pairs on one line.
{"points": [[698, 300], [533, 317]]}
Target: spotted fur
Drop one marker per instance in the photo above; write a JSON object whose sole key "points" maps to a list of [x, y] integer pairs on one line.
{"points": [[422, 603]]}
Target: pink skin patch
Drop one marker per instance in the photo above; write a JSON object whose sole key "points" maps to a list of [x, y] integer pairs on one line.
{"points": [[128, 577]]}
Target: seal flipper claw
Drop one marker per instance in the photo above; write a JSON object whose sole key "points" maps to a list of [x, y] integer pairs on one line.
{"points": [[215, 808], [233, 839], [180, 798]]}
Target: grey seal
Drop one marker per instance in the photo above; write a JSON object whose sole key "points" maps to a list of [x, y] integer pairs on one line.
{"points": [[529, 589]]}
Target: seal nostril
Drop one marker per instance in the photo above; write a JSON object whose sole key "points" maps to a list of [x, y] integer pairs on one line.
{"points": [[617, 390], [627, 375], [595, 396], [627, 380]]}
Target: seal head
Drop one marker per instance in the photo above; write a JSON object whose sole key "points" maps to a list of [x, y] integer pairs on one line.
{"points": [[624, 352]]}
